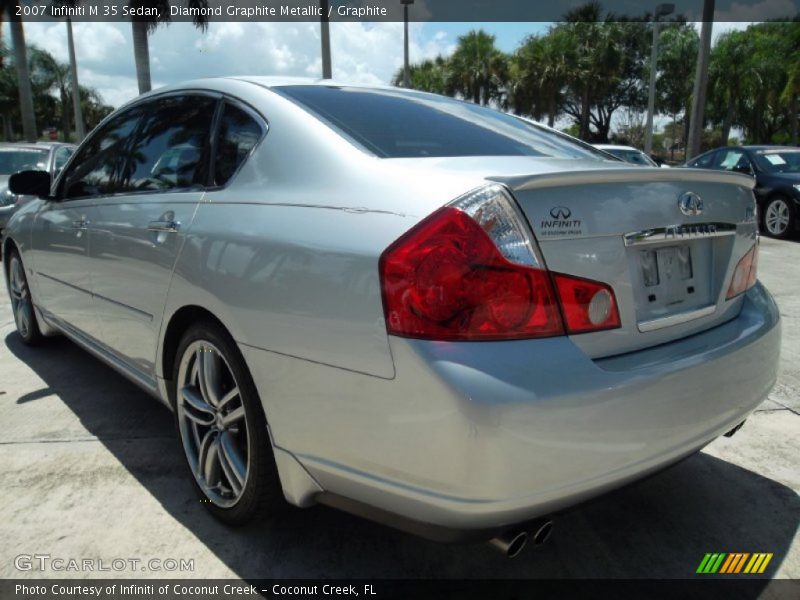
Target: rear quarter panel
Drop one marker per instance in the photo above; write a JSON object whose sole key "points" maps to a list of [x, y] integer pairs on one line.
{"points": [[299, 281]]}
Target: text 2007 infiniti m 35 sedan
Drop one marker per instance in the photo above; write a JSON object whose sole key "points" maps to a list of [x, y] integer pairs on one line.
{"points": [[413, 308]]}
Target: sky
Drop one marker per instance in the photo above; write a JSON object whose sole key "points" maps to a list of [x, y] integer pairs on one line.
{"points": [[361, 52]]}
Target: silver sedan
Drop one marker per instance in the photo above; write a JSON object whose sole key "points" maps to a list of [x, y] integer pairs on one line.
{"points": [[423, 311], [47, 156]]}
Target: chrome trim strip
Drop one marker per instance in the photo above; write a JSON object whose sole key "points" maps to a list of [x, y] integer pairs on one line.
{"points": [[677, 233], [145, 315], [69, 285], [677, 319]]}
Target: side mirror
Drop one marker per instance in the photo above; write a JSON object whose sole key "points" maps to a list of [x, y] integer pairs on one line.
{"points": [[30, 183], [746, 169]]}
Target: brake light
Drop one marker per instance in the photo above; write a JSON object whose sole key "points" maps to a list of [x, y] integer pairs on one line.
{"points": [[745, 274], [586, 305], [470, 272]]}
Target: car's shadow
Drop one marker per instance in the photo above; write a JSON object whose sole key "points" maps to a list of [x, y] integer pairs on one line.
{"points": [[661, 527]]}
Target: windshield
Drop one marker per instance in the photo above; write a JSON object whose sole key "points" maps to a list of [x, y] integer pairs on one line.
{"points": [[406, 124], [784, 161], [632, 156], [22, 159]]}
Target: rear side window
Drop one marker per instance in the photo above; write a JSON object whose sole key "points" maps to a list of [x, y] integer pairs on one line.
{"points": [[404, 124], [170, 147], [237, 135], [102, 158]]}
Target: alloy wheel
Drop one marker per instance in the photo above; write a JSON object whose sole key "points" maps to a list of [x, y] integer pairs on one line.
{"points": [[777, 217], [20, 297], [213, 423]]}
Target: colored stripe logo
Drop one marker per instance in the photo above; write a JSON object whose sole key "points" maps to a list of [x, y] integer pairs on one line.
{"points": [[734, 563]]}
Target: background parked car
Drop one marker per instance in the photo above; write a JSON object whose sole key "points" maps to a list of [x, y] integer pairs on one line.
{"points": [[629, 154], [777, 173], [46, 156]]}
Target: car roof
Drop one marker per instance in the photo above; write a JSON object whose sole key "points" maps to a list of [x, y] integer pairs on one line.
{"points": [[767, 148], [753, 148], [271, 82]]}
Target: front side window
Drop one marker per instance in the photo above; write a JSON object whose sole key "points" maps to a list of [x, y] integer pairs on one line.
{"points": [[237, 135], [170, 147], [102, 158], [405, 124], [61, 157]]}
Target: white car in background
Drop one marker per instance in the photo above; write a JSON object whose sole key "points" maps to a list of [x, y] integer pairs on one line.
{"points": [[630, 155]]}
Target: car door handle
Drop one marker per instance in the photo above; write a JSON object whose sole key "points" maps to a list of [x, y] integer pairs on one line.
{"points": [[164, 226], [81, 223]]}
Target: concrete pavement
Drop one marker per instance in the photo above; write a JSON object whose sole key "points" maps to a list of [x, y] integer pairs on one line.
{"points": [[90, 468]]}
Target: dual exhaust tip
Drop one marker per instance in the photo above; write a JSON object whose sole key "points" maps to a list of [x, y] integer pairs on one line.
{"points": [[512, 543]]}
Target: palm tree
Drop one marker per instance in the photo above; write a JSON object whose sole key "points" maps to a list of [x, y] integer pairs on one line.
{"points": [[539, 74], [732, 75], [477, 68], [142, 27], [427, 76], [594, 59], [80, 129], [791, 91], [49, 75], [29, 131]]}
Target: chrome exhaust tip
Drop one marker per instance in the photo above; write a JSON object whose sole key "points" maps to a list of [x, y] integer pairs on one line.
{"points": [[541, 532], [734, 430], [510, 544]]}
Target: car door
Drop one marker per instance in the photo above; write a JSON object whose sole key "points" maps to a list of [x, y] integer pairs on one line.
{"points": [[60, 241], [137, 233]]}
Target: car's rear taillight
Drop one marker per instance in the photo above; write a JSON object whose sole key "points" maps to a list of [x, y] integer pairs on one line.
{"points": [[470, 272], [745, 274], [587, 305]]}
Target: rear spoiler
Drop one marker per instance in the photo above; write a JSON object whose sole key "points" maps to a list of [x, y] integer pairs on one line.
{"points": [[624, 175]]}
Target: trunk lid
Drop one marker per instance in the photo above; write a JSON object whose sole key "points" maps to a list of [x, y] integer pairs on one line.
{"points": [[666, 240]]}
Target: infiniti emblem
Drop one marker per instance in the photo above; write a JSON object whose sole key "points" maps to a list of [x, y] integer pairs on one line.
{"points": [[560, 212], [690, 204]]}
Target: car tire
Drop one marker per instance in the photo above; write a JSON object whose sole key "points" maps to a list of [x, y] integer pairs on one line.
{"points": [[779, 218], [21, 300], [222, 426]]}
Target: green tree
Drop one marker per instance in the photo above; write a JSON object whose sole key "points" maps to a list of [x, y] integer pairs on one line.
{"points": [[29, 129], [678, 47], [733, 78], [143, 26], [538, 74], [477, 69], [791, 91], [428, 76], [604, 66], [48, 76]]}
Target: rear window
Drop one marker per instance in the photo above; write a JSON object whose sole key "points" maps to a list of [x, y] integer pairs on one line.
{"points": [[406, 124], [632, 156], [19, 159]]}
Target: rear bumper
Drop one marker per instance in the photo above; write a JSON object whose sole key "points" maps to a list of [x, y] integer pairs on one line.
{"points": [[480, 436]]}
